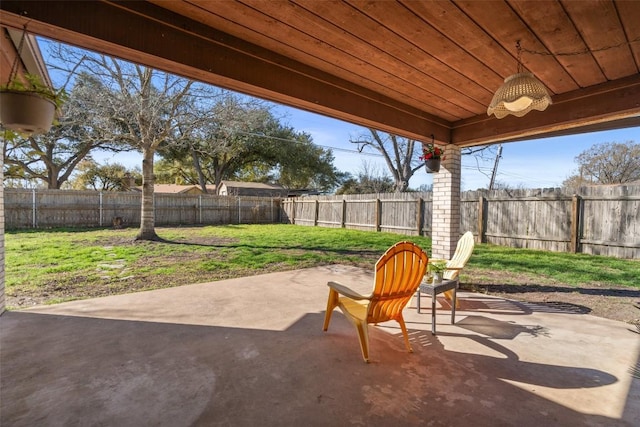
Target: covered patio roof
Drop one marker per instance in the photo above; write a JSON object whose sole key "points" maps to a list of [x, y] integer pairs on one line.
{"points": [[410, 68]]}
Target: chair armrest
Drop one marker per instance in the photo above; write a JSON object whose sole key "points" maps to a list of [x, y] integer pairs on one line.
{"points": [[455, 268], [343, 290]]}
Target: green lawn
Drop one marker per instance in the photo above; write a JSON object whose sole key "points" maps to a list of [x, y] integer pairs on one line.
{"points": [[58, 265]]}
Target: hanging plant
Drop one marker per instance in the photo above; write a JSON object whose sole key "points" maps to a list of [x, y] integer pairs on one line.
{"points": [[28, 106], [35, 86], [432, 155]]}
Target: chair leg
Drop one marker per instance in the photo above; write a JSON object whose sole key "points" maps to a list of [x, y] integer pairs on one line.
{"points": [[363, 335], [332, 302], [433, 314], [453, 307], [404, 333]]}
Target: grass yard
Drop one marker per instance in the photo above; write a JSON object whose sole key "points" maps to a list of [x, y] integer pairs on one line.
{"points": [[60, 265]]}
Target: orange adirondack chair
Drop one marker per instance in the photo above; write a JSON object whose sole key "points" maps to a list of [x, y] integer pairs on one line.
{"points": [[398, 274]]}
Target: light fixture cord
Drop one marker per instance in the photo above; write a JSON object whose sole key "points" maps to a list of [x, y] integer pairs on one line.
{"points": [[519, 50]]}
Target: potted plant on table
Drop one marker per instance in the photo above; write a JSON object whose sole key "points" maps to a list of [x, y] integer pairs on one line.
{"points": [[29, 106], [436, 268]]}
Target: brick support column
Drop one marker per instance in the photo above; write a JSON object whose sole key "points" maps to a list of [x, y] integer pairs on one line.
{"points": [[445, 223], [2, 300]]}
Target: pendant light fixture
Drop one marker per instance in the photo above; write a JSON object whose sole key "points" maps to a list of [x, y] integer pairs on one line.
{"points": [[520, 93]]}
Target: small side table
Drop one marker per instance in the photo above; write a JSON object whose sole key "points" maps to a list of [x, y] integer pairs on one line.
{"points": [[433, 290]]}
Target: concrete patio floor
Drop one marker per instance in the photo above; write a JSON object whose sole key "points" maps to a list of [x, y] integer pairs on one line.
{"points": [[251, 352]]}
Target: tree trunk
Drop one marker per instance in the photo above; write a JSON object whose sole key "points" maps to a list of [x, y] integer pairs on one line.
{"points": [[52, 178], [147, 215], [217, 174], [401, 185], [196, 164]]}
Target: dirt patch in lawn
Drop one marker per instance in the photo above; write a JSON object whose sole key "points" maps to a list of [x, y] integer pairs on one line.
{"points": [[616, 303], [611, 302]]}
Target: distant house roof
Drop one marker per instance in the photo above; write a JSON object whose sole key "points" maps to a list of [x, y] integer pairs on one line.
{"points": [[173, 189], [178, 189], [239, 188]]}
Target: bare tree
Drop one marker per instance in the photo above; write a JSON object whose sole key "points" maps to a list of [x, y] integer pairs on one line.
{"points": [[607, 163], [399, 154], [402, 155], [139, 107]]}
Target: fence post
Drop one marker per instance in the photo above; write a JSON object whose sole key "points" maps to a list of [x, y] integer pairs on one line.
{"points": [[378, 214], [101, 211], [239, 211], [34, 222], [575, 223], [315, 215], [482, 223], [293, 211], [420, 215], [344, 213]]}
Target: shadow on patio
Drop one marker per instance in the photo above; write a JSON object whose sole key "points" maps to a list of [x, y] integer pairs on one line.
{"points": [[251, 351]]}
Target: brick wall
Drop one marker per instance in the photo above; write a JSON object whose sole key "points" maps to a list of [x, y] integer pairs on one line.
{"points": [[2, 299], [445, 223]]}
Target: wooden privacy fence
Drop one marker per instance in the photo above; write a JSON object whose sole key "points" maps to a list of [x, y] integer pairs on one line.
{"points": [[396, 213], [601, 220], [62, 208]]}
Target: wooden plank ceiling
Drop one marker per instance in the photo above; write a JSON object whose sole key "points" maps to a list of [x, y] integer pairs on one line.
{"points": [[413, 68]]}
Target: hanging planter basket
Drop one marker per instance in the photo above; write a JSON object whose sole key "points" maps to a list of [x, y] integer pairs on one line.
{"points": [[26, 112], [432, 165]]}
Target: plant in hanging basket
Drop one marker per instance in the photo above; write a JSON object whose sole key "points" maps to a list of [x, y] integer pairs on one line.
{"points": [[29, 107], [432, 155]]}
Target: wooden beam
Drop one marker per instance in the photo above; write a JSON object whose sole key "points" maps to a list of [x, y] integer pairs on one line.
{"points": [[615, 101], [628, 122], [155, 37]]}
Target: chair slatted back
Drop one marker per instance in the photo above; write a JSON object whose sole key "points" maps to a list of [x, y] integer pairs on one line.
{"points": [[398, 274], [463, 252]]}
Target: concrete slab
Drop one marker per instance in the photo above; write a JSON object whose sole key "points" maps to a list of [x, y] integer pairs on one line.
{"points": [[251, 351]]}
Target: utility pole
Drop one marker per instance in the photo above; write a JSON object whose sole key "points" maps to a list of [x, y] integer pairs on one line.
{"points": [[495, 167]]}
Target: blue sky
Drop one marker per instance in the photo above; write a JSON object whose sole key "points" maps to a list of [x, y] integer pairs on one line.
{"points": [[537, 163]]}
